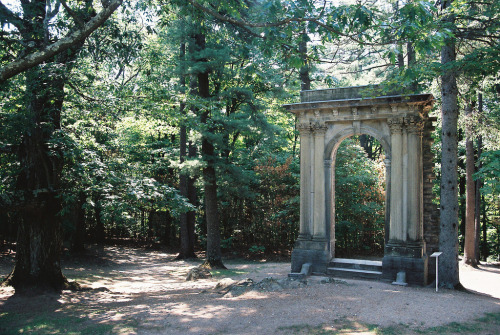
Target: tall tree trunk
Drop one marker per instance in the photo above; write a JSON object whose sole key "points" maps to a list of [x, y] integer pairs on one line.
{"points": [[477, 216], [462, 183], [484, 246], [305, 79], [448, 236], [412, 58], [100, 234], [193, 199], [40, 236], [187, 244], [470, 226], [477, 205], [79, 235], [213, 253]]}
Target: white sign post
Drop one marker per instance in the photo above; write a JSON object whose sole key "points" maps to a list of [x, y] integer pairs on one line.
{"points": [[436, 255]]}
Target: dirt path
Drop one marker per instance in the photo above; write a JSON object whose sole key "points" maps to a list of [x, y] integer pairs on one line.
{"points": [[145, 292]]}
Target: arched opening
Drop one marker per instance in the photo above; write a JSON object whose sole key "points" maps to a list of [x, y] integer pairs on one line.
{"points": [[402, 126], [359, 219]]}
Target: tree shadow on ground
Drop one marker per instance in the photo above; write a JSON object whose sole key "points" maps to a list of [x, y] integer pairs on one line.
{"points": [[141, 291]]}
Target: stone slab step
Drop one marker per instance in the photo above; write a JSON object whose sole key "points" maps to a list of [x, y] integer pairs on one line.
{"points": [[356, 264], [354, 273]]}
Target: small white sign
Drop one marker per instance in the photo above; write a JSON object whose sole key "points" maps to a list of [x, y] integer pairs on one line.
{"points": [[437, 254]]}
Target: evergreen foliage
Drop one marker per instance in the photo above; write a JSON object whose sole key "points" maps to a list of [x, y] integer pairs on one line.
{"points": [[117, 101]]}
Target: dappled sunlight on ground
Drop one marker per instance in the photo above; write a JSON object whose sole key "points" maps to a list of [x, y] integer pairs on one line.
{"points": [[484, 280], [145, 292]]}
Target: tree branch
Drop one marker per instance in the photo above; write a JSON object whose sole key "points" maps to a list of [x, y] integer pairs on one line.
{"points": [[78, 20], [246, 24], [63, 44]]}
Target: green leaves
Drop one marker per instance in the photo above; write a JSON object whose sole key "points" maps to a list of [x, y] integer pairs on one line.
{"points": [[359, 201]]}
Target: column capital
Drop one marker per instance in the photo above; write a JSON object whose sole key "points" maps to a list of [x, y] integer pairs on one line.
{"points": [[318, 127], [414, 125], [304, 127], [396, 124]]}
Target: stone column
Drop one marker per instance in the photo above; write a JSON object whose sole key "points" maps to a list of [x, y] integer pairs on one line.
{"points": [[415, 127], [319, 226], [404, 209], [387, 162], [330, 204], [396, 197], [305, 181]]}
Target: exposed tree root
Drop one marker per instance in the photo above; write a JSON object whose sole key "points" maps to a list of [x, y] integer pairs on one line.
{"points": [[211, 265]]}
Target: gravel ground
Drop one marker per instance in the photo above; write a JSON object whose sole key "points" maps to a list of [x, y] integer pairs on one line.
{"points": [[145, 292]]}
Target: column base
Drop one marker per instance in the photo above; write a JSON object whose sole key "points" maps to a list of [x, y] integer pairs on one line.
{"points": [[405, 256], [304, 237], [311, 251]]}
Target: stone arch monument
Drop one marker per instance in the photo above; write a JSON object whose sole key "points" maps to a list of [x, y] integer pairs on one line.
{"points": [[402, 125]]}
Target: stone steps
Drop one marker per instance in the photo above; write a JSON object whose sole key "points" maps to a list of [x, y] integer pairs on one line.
{"points": [[355, 268]]}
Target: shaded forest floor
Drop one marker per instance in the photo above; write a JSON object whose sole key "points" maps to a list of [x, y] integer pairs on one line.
{"points": [[135, 291]]}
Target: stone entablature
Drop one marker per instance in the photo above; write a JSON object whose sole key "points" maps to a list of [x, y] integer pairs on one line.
{"points": [[324, 119]]}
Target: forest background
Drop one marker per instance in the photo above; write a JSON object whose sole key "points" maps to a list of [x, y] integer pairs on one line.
{"points": [[164, 126]]}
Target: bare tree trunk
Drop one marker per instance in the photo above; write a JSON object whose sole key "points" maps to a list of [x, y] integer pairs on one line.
{"points": [[213, 254], [100, 234], [40, 237], [480, 250], [193, 199], [448, 236], [484, 247], [411, 62], [477, 206], [305, 78], [470, 227], [187, 244], [79, 235]]}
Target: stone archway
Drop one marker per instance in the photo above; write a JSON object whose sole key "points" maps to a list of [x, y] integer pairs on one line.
{"points": [[325, 118], [330, 166]]}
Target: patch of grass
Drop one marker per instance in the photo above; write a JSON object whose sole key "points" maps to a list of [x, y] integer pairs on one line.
{"points": [[490, 318], [49, 324], [227, 272], [393, 330], [489, 324], [455, 327], [339, 326]]}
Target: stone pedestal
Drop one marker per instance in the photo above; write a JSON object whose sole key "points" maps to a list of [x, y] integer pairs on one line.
{"points": [[312, 251], [409, 257]]}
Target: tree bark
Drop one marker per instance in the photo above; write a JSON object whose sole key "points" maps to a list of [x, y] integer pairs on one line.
{"points": [[484, 226], [40, 237], [100, 234], [78, 243], [470, 226], [193, 199], [305, 79], [477, 205], [187, 243], [462, 183], [479, 181], [213, 253], [448, 236]]}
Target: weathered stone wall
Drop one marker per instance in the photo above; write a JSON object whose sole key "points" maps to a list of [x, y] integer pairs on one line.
{"points": [[341, 93]]}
